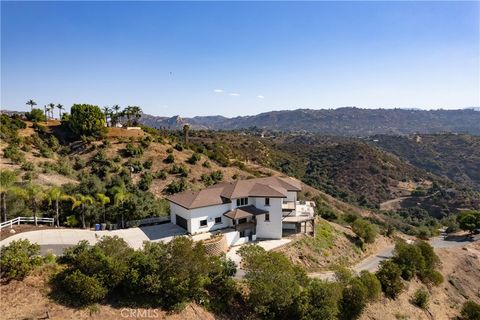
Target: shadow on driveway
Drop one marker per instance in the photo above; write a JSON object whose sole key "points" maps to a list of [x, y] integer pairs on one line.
{"points": [[162, 231]]}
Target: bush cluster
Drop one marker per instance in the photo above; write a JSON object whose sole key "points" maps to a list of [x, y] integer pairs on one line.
{"points": [[18, 259], [409, 260], [166, 275]]}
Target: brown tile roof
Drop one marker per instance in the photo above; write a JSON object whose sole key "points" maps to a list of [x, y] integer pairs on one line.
{"points": [[271, 187], [244, 212]]}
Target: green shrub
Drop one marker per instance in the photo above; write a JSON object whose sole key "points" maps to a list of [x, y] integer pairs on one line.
{"points": [[409, 258], [194, 158], [83, 289], [18, 259], [433, 277], [145, 181], [389, 276], [178, 147], [354, 299], [322, 300], [87, 121], [275, 284], [72, 221], [148, 164], [27, 166], [169, 159], [470, 310], [420, 298], [365, 230], [206, 164], [36, 115], [372, 285], [132, 151], [13, 153], [177, 186], [79, 163], [161, 174]]}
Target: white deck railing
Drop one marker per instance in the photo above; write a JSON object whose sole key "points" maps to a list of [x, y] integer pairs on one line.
{"points": [[19, 220]]}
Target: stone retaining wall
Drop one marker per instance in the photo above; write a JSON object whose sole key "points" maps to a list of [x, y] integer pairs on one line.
{"points": [[215, 246]]}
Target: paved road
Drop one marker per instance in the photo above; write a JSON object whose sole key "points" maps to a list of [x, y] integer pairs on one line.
{"points": [[57, 240], [372, 263]]}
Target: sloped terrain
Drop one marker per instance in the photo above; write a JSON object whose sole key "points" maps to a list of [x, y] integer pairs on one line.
{"points": [[460, 268]]}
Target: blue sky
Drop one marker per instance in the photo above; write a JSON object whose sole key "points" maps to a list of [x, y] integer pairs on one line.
{"points": [[231, 58]]}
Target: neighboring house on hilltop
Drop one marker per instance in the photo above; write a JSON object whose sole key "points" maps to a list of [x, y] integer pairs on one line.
{"points": [[256, 208]]}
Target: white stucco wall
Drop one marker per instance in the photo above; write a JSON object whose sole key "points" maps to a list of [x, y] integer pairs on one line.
{"points": [[194, 217], [269, 229]]}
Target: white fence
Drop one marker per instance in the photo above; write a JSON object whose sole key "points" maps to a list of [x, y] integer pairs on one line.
{"points": [[19, 220]]}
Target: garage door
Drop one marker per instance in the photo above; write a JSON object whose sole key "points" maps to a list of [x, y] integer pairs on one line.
{"points": [[182, 222]]}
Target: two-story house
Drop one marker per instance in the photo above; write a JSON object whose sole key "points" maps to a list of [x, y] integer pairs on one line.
{"points": [[255, 208]]}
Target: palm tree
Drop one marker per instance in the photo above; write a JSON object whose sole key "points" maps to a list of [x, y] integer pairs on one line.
{"points": [[55, 194], [114, 116], [127, 112], [51, 107], [186, 128], [45, 108], [103, 200], [120, 195], [34, 194], [31, 103], [136, 113], [106, 112], [79, 200], [60, 108], [7, 179]]}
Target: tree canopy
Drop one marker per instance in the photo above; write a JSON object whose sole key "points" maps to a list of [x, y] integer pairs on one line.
{"points": [[87, 120]]}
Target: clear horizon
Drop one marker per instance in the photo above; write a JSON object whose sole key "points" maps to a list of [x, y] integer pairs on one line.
{"points": [[231, 59]]}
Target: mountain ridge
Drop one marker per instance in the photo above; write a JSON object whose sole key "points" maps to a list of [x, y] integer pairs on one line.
{"points": [[348, 121]]}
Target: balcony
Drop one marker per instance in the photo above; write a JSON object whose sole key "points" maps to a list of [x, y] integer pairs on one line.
{"points": [[298, 211]]}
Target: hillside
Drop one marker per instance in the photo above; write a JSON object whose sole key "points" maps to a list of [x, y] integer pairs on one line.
{"points": [[341, 122], [454, 156], [349, 169], [460, 271]]}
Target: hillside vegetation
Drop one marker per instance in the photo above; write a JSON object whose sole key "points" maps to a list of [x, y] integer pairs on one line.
{"points": [[456, 156]]}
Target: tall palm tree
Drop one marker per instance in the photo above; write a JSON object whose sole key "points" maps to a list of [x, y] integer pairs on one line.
{"points": [[114, 115], [31, 103], [60, 108], [51, 107], [7, 179], [136, 113], [45, 108], [103, 200], [55, 194], [79, 200], [106, 112], [127, 112], [120, 195], [186, 129], [34, 194]]}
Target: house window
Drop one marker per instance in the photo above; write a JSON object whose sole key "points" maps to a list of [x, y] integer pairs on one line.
{"points": [[267, 201], [243, 220], [267, 216], [242, 202], [218, 220], [203, 223]]}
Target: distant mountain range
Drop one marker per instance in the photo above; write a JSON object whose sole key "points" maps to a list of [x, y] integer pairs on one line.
{"points": [[349, 121]]}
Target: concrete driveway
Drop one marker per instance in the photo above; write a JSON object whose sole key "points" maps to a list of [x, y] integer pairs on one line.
{"points": [[59, 239]]}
